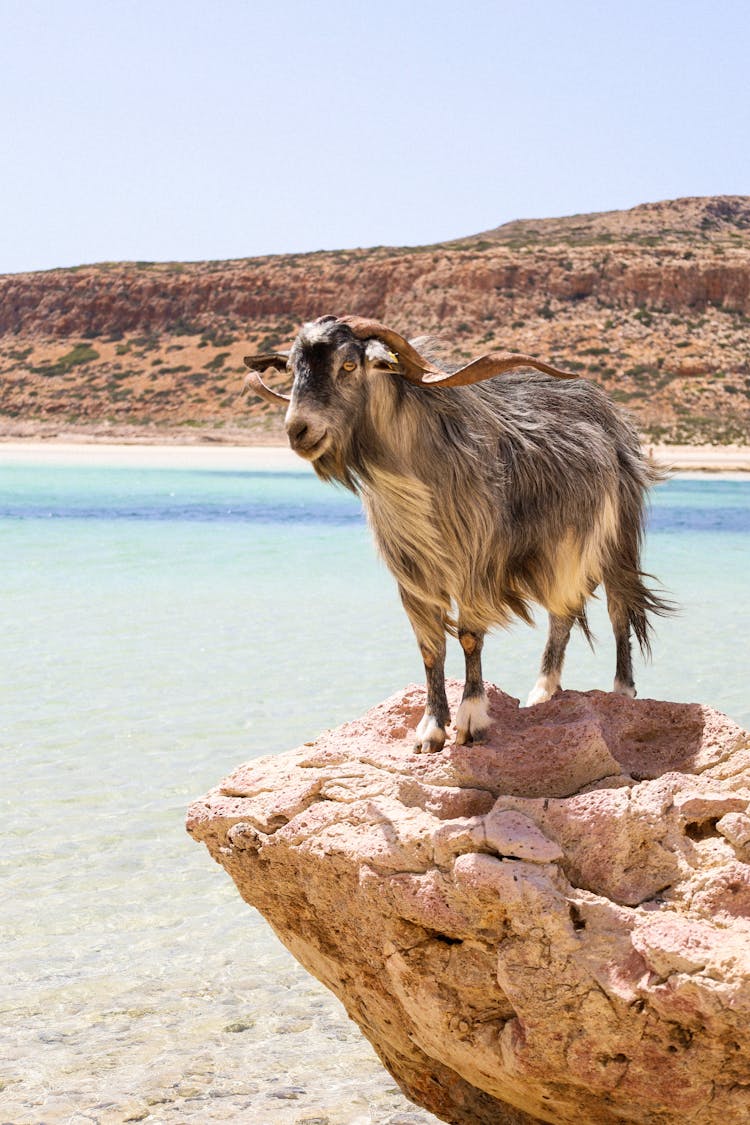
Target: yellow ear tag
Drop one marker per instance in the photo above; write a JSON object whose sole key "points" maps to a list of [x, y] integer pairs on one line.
{"points": [[393, 358]]}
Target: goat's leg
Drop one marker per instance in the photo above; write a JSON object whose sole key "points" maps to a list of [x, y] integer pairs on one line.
{"points": [[472, 720], [431, 728], [620, 618], [552, 660], [428, 628]]}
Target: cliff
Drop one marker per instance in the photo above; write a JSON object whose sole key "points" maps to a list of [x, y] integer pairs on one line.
{"points": [[654, 303], [554, 926]]}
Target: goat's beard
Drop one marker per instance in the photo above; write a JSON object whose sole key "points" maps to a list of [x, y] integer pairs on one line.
{"points": [[332, 467]]}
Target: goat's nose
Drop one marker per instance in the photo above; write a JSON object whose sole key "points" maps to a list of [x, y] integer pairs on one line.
{"points": [[296, 430]]}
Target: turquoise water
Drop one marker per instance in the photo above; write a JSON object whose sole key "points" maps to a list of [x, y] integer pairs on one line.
{"points": [[159, 627]]}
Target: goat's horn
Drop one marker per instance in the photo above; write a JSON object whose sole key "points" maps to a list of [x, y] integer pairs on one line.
{"points": [[415, 365], [253, 382], [421, 371], [487, 366]]}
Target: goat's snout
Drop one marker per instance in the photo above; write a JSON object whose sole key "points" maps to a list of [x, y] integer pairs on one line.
{"points": [[306, 437], [296, 430]]}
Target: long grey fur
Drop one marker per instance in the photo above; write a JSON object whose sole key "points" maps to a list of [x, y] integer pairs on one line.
{"points": [[482, 500]]}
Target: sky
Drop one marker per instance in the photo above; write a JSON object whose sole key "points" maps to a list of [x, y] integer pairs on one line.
{"points": [[156, 130]]}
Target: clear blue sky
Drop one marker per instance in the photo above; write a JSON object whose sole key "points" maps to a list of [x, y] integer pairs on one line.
{"points": [[153, 129]]}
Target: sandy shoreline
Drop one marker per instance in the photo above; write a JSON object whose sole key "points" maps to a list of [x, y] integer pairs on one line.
{"points": [[229, 458], [731, 462], [703, 458]]}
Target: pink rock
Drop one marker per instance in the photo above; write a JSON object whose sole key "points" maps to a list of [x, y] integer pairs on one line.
{"points": [[514, 834], [553, 926], [697, 806], [735, 827]]}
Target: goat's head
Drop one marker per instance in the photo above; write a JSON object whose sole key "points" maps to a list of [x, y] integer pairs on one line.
{"points": [[331, 368], [332, 363]]}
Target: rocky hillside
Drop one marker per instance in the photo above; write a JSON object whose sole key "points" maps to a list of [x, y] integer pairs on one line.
{"points": [[654, 303]]}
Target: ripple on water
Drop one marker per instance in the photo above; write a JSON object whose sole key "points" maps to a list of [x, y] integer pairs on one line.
{"points": [[144, 656]]}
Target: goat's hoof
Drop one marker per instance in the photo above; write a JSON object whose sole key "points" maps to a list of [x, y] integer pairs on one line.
{"points": [[622, 688], [430, 746], [542, 691], [467, 737], [472, 720], [430, 736]]}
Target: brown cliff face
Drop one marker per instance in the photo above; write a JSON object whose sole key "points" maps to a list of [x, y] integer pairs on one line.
{"points": [[654, 303]]}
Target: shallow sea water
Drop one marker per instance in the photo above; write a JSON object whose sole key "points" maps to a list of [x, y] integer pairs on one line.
{"points": [[159, 627]]}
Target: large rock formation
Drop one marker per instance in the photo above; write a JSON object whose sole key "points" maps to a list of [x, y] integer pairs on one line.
{"points": [[554, 926], [653, 303]]}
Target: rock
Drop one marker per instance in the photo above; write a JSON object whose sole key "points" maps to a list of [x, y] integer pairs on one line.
{"points": [[616, 297], [553, 926]]}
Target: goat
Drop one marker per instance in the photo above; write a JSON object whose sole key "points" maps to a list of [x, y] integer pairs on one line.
{"points": [[481, 495]]}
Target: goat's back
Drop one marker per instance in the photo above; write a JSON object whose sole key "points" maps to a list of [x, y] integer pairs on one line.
{"points": [[522, 489]]}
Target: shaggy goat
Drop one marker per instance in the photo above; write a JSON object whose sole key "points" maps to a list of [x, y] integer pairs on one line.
{"points": [[485, 498]]}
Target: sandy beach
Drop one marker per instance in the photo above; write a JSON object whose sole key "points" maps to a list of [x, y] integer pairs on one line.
{"points": [[727, 461], [227, 458], [702, 458]]}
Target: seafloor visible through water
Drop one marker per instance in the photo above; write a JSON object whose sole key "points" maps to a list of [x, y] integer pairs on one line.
{"points": [[159, 627]]}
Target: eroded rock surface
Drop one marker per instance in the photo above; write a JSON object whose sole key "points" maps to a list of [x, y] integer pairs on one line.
{"points": [[553, 926], [652, 303]]}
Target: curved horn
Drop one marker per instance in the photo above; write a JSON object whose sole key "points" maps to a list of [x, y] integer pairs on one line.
{"points": [[487, 366], [421, 371], [415, 365], [268, 360]]}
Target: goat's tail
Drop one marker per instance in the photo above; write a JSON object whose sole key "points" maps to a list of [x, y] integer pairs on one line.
{"points": [[644, 603], [633, 595], [631, 602]]}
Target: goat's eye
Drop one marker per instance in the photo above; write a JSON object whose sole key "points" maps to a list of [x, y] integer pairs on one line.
{"points": [[349, 365]]}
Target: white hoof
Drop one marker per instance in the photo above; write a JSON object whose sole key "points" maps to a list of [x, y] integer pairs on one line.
{"points": [[472, 720], [430, 735], [624, 689], [543, 689]]}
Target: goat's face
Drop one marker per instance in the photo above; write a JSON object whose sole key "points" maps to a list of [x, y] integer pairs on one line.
{"points": [[332, 370]]}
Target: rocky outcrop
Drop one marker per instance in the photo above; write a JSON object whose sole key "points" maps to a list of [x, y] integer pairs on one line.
{"points": [[553, 926], [427, 289], [653, 303]]}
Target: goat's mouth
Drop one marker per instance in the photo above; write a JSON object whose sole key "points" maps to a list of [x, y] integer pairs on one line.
{"points": [[311, 450]]}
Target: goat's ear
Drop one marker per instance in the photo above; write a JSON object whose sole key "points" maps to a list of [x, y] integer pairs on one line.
{"points": [[379, 357], [262, 362]]}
